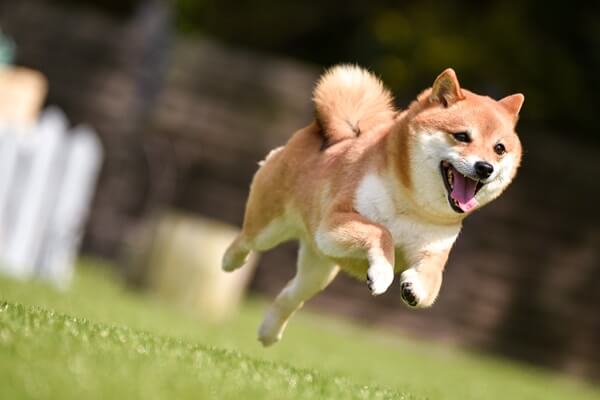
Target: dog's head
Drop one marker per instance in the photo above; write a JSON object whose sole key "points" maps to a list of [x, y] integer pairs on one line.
{"points": [[463, 148]]}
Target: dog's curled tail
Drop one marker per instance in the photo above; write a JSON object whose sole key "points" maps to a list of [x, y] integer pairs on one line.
{"points": [[349, 102]]}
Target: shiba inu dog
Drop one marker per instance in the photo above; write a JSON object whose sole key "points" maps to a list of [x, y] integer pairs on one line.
{"points": [[374, 191]]}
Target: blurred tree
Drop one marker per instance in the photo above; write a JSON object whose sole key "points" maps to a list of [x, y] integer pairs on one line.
{"points": [[115, 7], [547, 50]]}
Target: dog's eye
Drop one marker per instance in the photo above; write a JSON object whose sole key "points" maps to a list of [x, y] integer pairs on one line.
{"points": [[499, 149], [462, 137]]}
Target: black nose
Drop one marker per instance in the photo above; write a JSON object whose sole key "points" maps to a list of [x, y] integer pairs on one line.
{"points": [[483, 169]]}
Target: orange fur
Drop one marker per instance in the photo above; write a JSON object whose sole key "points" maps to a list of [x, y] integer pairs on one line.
{"points": [[360, 188], [350, 101]]}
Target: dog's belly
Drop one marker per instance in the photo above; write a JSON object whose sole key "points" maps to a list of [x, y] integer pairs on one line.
{"points": [[357, 267]]}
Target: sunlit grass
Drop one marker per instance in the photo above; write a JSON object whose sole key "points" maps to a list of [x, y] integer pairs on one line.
{"points": [[99, 340]]}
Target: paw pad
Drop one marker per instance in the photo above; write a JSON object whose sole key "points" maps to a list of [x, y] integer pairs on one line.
{"points": [[408, 295]]}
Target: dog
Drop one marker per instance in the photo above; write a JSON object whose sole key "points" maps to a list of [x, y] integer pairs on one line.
{"points": [[375, 191]]}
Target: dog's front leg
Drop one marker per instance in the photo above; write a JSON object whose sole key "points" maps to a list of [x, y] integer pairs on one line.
{"points": [[420, 284], [348, 234]]}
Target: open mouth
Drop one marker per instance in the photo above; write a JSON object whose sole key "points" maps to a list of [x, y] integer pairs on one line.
{"points": [[461, 189]]}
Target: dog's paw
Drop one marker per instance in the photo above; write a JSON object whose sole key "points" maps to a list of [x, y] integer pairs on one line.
{"points": [[379, 277], [411, 289], [270, 331], [234, 259], [408, 294], [267, 339]]}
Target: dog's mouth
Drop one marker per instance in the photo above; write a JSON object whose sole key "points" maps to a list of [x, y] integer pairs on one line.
{"points": [[461, 189]]}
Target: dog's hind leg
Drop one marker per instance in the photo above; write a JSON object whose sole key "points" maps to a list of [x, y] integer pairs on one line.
{"points": [[313, 274], [265, 224], [236, 254], [257, 235]]}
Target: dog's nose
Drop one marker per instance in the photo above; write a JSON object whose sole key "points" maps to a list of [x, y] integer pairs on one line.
{"points": [[483, 169]]}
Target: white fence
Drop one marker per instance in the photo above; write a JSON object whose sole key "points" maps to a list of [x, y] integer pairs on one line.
{"points": [[47, 179]]}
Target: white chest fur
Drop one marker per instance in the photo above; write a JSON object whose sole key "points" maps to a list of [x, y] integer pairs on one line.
{"points": [[374, 199]]}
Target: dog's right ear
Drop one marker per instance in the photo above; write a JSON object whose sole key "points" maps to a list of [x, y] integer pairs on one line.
{"points": [[446, 89]]}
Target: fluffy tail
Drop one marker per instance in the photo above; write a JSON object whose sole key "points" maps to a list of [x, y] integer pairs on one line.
{"points": [[349, 101]]}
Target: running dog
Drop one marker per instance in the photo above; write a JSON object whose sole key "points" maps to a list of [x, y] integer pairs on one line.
{"points": [[374, 191]]}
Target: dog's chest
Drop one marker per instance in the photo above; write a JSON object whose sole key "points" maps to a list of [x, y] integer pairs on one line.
{"points": [[374, 200]]}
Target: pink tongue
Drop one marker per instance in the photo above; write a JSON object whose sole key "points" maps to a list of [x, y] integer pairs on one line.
{"points": [[464, 191]]}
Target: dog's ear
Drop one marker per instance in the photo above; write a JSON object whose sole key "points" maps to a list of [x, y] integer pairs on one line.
{"points": [[513, 104], [446, 89]]}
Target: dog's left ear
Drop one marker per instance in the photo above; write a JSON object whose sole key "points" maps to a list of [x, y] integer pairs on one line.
{"points": [[513, 104], [446, 89]]}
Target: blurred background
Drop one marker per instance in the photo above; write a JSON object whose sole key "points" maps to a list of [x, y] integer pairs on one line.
{"points": [[187, 96]]}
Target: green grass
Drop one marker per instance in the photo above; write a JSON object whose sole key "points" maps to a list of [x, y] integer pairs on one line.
{"points": [[98, 340]]}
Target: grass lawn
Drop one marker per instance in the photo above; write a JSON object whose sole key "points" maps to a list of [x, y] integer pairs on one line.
{"points": [[98, 340]]}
